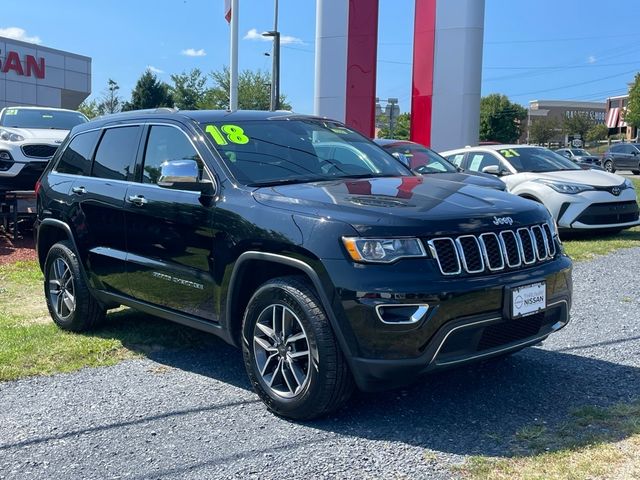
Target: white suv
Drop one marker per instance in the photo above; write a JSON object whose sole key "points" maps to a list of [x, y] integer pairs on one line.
{"points": [[29, 136], [578, 199]]}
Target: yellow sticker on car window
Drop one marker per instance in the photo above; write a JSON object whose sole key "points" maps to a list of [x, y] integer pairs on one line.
{"points": [[227, 133], [340, 130], [11, 111], [509, 153]]}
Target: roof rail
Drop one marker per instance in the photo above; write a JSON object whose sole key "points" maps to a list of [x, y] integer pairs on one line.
{"points": [[144, 110]]}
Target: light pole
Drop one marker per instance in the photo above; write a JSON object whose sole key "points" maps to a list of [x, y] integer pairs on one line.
{"points": [[275, 70]]}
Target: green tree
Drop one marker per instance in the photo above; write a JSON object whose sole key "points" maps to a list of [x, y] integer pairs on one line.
{"points": [[149, 92], [597, 132], [253, 91], [542, 130], [500, 119], [632, 114], [578, 124], [188, 89], [401, 128], [111, 101], [90, 108]]}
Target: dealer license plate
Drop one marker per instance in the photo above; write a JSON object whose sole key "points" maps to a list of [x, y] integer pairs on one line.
{"points": [[528, 299]]}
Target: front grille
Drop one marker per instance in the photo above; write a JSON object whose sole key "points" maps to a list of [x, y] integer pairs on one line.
{"points": [[609, 213], [493, 252], [39, 151], [511, 331]]}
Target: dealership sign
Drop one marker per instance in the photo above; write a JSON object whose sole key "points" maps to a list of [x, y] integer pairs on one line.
{"points": [[30, 67]]}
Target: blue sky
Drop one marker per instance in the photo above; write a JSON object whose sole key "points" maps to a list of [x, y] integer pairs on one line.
{"points": [[542, 49]]}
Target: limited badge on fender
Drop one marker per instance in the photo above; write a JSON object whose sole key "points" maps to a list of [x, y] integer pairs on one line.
{"points": [[528, 299]]}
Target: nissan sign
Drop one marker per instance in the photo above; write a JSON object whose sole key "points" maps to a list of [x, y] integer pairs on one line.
{"points": [[30, 67]]}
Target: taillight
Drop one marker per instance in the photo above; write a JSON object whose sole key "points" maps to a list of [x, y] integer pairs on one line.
{"points": [[37, 189]]}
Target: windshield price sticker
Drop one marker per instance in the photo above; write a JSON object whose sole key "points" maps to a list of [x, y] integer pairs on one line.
{"points": [[11, 111], [509, 153], [227, 133]]}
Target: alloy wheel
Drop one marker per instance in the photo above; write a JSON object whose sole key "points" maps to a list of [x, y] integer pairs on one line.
{"points": [[281, 350], [61, 288]]}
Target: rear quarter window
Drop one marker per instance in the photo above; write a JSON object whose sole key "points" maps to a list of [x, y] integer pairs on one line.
{"points": [[76, 158]]}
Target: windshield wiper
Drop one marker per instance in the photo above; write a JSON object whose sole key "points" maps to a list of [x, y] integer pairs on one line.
{"points": [[289, 181]]}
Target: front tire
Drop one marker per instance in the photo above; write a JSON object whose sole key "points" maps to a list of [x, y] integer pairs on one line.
{"points": [[70, 303], [608, 166], [290, 352]]}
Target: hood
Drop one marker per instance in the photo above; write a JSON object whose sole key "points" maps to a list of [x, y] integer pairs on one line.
{"points": [[475, 178], [596, 178], [40, 135], [428, 205]]}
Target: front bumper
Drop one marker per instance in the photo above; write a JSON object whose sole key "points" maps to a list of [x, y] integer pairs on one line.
{"points": [[593, 210], [468, 318], [22, 171], [22, 176]]}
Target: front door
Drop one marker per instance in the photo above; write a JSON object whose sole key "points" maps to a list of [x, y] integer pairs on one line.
{"points": [[169, 232]]}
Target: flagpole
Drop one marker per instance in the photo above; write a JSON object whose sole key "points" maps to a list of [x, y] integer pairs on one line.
{"points": [[233, 84]]}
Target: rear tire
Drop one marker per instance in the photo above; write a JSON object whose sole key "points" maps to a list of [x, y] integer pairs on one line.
{"points": [[70, 303], [635, 172], [290, 351], [609, 167]]}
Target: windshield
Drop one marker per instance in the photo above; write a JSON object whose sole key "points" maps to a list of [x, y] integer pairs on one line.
{"points": [[537, 159], [41, 118], [421, 158], [286, 150], [579, 152]]}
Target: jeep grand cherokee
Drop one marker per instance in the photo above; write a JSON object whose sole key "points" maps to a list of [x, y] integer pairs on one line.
{"points": [[330, 267]]}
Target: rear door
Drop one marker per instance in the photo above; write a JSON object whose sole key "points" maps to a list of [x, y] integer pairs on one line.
{"points": [[99, 212], [169, 232]]}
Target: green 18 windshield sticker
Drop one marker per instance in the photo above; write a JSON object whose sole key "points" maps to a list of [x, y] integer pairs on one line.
{"points": [[226, 134]]}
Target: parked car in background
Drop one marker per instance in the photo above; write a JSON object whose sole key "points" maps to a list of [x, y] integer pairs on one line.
{"points": [[425, 161], [29, 136], [581, 157], [326, 260], [578, 199], [622, 156]]}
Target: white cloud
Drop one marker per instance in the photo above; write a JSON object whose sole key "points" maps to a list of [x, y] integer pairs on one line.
{"points": [[154, 69], [591, 59], [192, 52], [18, 34], [253, 34]]}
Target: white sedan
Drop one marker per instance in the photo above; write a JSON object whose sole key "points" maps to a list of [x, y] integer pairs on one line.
{"points": [[578, 199]]}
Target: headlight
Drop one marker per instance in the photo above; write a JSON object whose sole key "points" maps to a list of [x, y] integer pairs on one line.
{"points": [[8, 136], [563, 187], [383, 250], [629, 184]]}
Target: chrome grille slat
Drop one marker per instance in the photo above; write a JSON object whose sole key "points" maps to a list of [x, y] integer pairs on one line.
{"points": [[493, 251], [462, 243]]}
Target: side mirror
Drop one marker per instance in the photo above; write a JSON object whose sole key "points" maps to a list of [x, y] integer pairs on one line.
{"points": [[184, 175], [403, 158], [492, 170]]}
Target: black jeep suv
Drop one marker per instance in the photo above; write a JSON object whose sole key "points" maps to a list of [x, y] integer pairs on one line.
{"points": [[295, 238]]}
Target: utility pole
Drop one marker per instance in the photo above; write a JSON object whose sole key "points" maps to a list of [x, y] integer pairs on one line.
{"points": [[233, 83], [275, 69]]}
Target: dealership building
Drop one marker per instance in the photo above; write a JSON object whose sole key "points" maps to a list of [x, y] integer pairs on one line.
{"points": [[559, 110], [34, 75]]}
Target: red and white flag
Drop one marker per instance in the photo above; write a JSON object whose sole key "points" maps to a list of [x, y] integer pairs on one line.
{"points": [[227, 10]]}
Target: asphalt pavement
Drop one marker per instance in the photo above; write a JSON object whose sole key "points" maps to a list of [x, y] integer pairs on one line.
{"points": [[191, 414]]}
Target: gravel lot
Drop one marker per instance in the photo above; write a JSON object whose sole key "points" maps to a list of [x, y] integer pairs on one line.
{"points": [[191, 415]]}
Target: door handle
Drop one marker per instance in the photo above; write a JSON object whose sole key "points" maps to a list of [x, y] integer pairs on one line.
{"points": [[138, 200], [79, 190]]}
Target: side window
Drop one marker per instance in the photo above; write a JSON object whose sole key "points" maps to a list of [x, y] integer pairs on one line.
{"points": [[629, 149], [116, 153], [480, 160], [615, 149], [456, 159], [76, 158], [166, 144]]}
